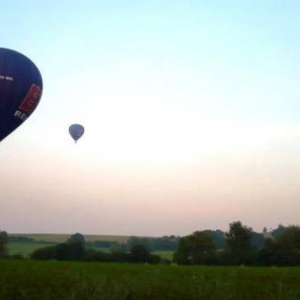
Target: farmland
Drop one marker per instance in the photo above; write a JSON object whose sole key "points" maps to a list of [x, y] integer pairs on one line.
{"points": [[28, 279], [43, 240], [25, 279], [25, 248], [61, 238]]}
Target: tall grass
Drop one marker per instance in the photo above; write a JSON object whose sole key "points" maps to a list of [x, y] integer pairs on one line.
{"points": [[31, 280]]}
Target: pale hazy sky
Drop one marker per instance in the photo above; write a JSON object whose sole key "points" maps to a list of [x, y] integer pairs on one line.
{"points": [[191, 111]]}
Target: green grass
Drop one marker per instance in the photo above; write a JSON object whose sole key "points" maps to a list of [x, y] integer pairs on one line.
{"points": [[25, 248], [35, 280], [165, 254]]}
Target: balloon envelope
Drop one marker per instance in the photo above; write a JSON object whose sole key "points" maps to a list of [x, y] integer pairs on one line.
{"points": [[20, 90], [76, 131]]}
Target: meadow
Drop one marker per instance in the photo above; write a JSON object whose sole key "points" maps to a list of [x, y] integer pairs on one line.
{"points": [[54, 280], [25, 248]]}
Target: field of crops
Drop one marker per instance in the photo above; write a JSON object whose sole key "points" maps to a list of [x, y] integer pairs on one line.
{"points": [[36, 280]]}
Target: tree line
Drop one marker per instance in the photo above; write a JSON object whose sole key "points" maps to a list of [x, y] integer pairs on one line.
{"points": [[240, 245], [75, 249]]}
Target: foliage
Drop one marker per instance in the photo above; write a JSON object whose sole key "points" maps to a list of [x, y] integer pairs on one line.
{"points": [[92, 255], [119, 247], [100, 244], [69, 251], [148, 243], [3, 243], [72, 249], [44, 253], [140, 254], [76, 238], [243, 247], [283, 250], [218, 238], [239, 248], [197, 248], [76, 251], [257, 239], [167, 243], [280, 230]]}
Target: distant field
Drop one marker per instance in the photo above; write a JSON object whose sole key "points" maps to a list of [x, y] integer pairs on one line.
{"points": [[25, 248], [61, 238], [44, 240], [54, 280]]}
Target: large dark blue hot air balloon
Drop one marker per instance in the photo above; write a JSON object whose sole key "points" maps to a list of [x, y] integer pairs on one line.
{"points": [[76, 131], [20, 90]]}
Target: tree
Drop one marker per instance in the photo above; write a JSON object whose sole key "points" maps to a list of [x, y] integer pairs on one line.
{"points": [[44, 253], [280, 230], [76, 238], [139, 253], [288, 247], [69, 251], [238, 241], [148, 243], [257, 239], [168, 243], [197, 248], [3, 243], [267, 254], [218, 238]]}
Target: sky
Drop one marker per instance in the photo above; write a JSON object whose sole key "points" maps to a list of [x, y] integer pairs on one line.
{"points": [[191, 111]]}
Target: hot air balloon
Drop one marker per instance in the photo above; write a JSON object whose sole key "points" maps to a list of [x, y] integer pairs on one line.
{"points": [[76, 131], [20, 90]]}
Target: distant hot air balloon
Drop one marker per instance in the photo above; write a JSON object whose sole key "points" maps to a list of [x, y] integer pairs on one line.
{"points": [[76, 131], [20, 90]]}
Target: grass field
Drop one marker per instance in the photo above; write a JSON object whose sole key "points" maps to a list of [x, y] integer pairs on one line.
{"points": [[35, 280], [25, 248]]}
